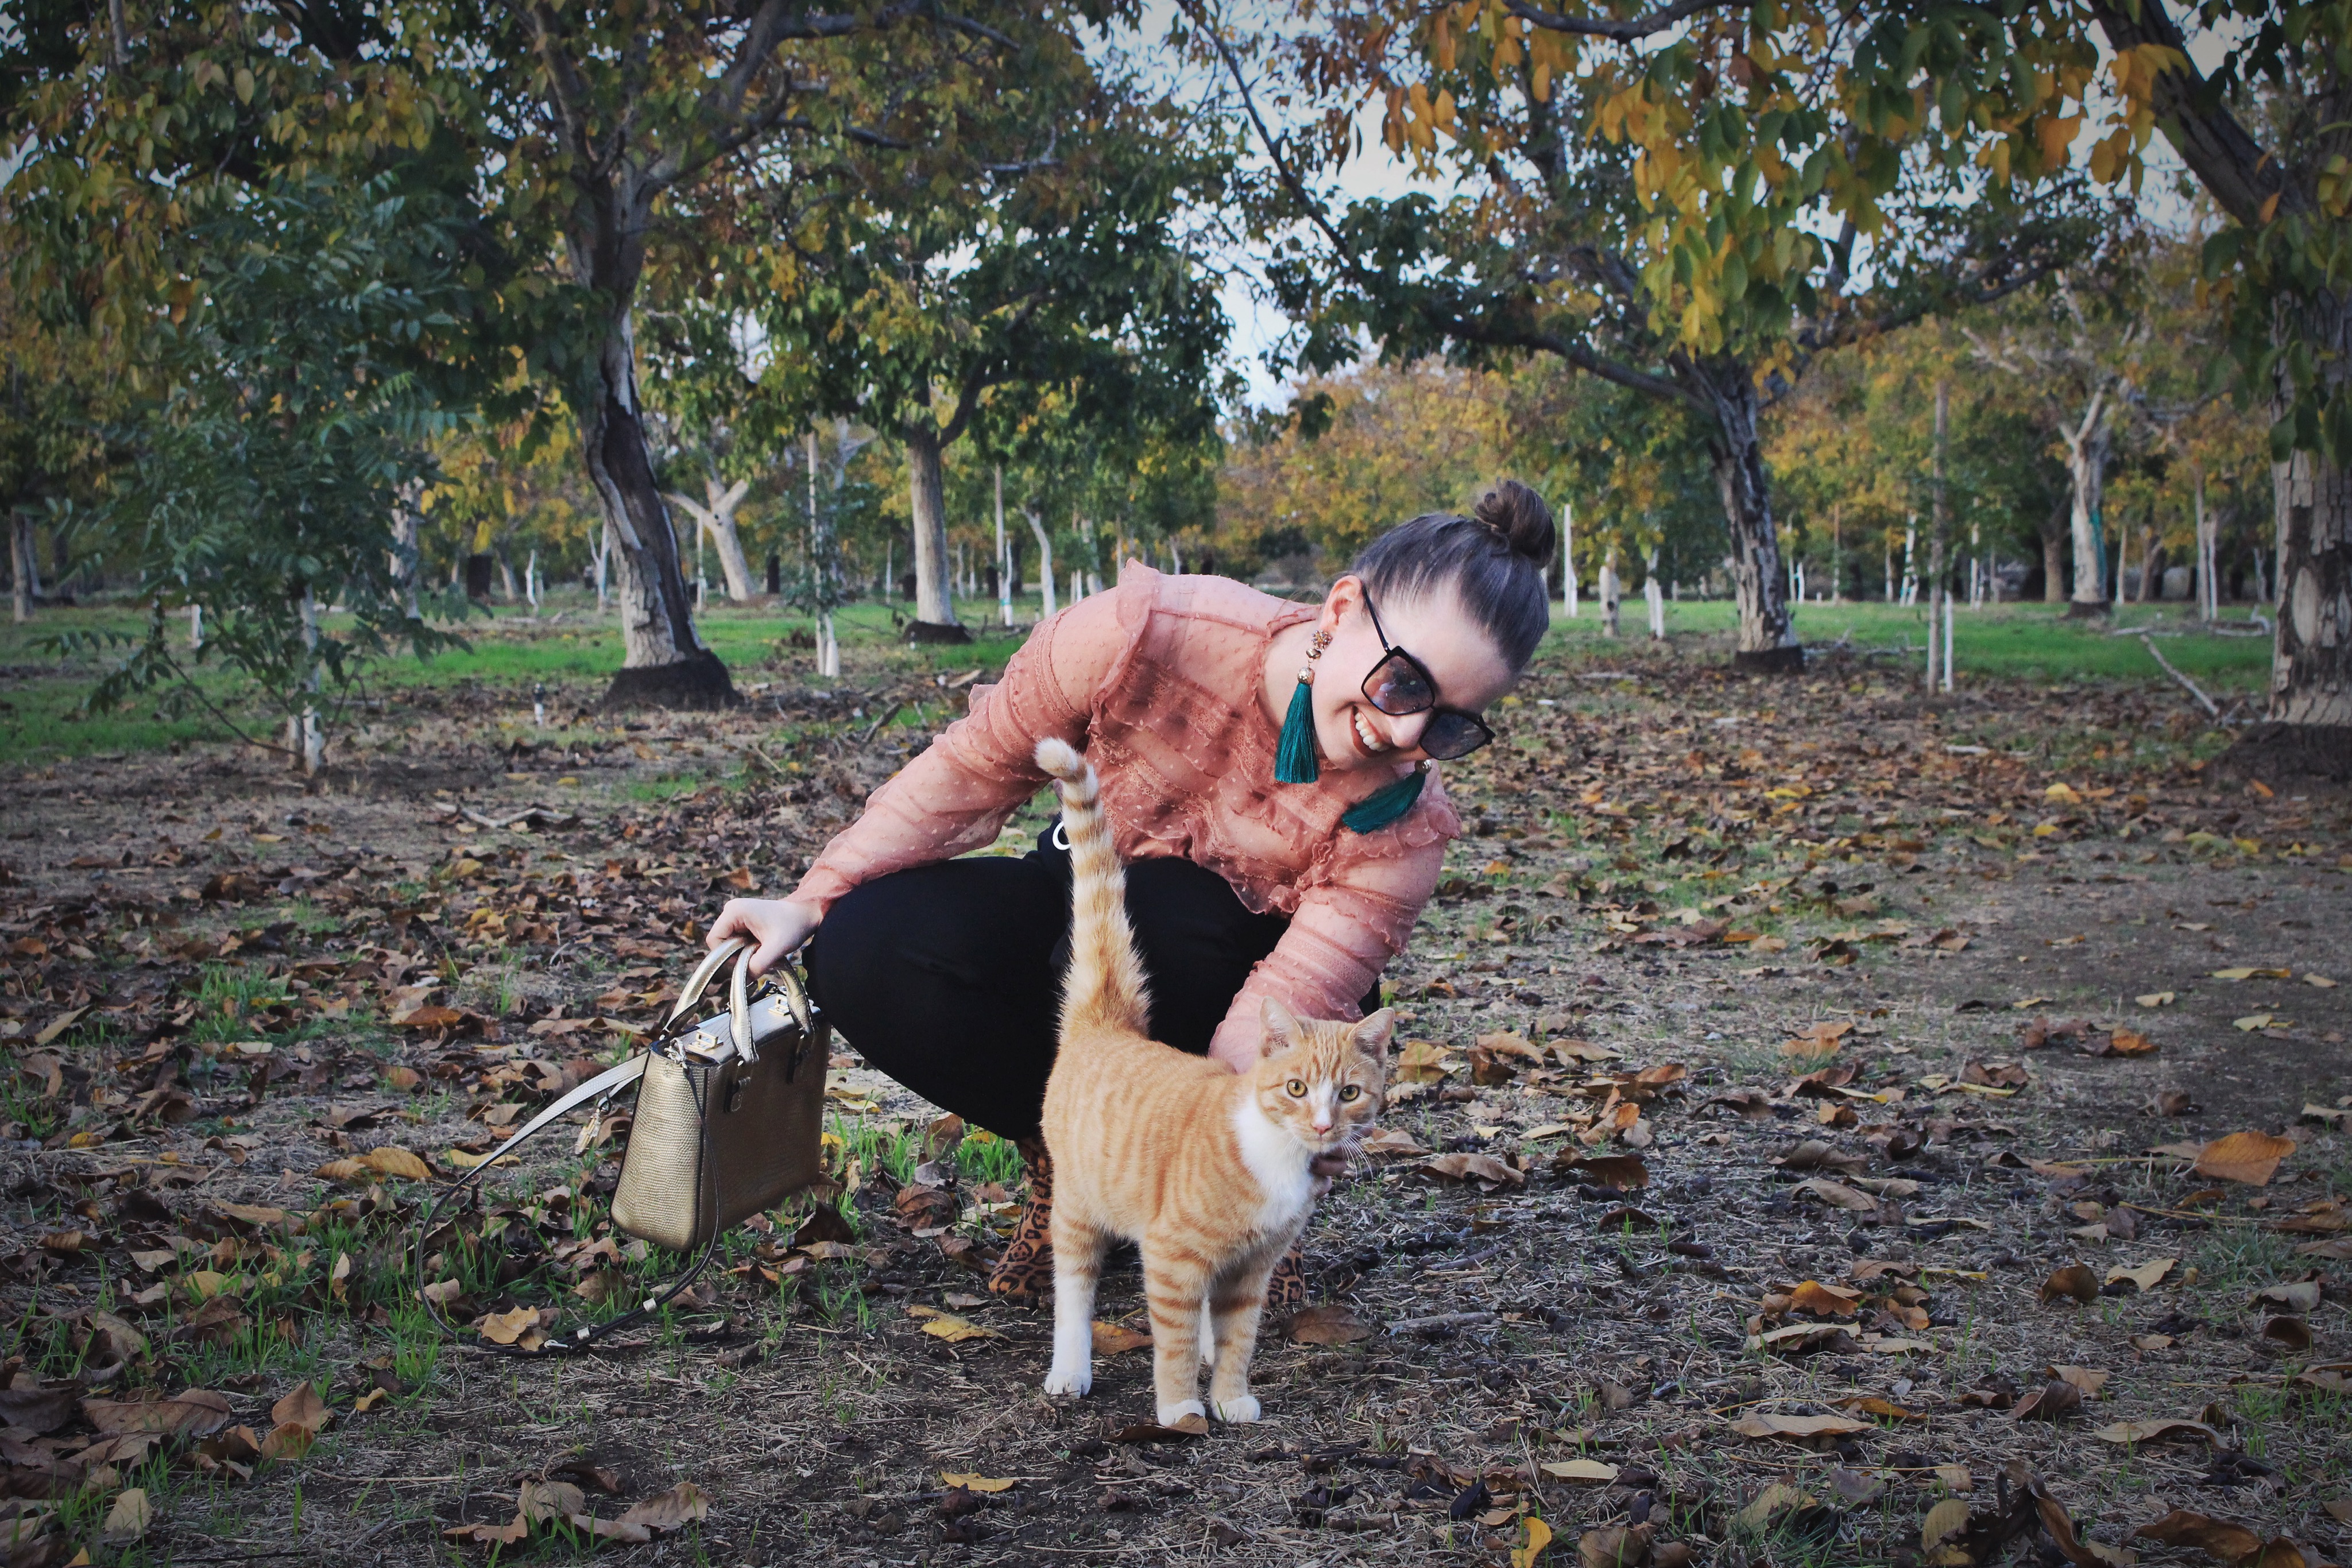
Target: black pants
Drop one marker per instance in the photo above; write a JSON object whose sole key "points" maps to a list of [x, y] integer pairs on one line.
{"points": [[948, 977]]}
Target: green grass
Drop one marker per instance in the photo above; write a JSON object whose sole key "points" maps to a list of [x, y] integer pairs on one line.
{"points": [[2029, 642], [41, 719]]}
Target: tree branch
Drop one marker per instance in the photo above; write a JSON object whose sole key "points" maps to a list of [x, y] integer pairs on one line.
{"points": [[1289, 176], [2222, 152], [1624, 31]]}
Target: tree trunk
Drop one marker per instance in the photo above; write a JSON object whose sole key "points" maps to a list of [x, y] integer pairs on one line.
{"points": [[25, 564], [1767, 635], [1938, 530], [927, 496], [717, 514], [663, 664], [1044, 566], [2087, 473], [2308, 731], [2053, 557], [407, 548], [1609, 597]]}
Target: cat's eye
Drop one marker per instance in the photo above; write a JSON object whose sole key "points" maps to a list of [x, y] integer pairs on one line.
{"points": [[1352, 1091], [1297, 1088]]}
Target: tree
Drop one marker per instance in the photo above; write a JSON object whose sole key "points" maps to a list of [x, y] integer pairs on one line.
{"points": [[1073, 270], [1368, 449], [1691, 204], [643, 138], [260, 479], [2268, 133]]}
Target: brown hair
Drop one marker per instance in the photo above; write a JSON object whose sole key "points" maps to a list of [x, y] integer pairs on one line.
{"points": [[1493, 560]]}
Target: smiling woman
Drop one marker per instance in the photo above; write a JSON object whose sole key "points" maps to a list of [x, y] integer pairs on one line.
{"points": [[1267, 772]]}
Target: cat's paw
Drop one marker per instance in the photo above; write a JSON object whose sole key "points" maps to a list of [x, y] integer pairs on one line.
{"points": [[1240, 1407], [1171, 1414], [1075, 1382]]}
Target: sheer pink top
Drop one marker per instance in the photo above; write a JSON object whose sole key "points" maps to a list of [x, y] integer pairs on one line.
{"points": [[1158, 680]]}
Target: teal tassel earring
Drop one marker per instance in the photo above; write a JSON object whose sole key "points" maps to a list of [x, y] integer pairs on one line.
{"points": [[1294, 758]]}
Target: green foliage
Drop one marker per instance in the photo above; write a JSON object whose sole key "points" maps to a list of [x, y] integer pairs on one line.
{"points": [[289, 413]]}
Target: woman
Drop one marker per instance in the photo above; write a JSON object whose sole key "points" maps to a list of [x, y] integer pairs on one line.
{"points": [[1264, 766]]}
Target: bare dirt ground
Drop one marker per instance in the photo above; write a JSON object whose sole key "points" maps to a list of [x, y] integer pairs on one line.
{"points": [[1779, 1049]]}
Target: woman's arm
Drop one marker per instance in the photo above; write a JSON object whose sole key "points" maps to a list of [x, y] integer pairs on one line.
{"points": [[1344, 931], [956, 796]]}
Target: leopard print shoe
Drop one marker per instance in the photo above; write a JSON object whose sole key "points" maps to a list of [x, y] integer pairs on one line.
{"points": [[1025, 1271], [1286, 1288]]}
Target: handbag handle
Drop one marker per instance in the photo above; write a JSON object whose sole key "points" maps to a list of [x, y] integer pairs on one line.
{"points": [[698, 982], [605, 1085]]}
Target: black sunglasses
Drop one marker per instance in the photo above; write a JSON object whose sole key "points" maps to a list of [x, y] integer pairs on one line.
{"points": [[1400, 685]]}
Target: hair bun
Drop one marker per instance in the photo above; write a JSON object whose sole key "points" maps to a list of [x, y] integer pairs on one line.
{"points": [[1518, 516]]}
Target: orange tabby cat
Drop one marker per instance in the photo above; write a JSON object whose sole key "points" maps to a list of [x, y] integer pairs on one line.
{"points": [[1207, 1169]]}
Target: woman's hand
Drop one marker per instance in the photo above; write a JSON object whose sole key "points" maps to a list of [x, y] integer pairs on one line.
{"points": [[777, 925]]}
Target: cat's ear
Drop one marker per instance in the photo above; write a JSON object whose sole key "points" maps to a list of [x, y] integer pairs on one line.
{"points": [[1373, 1034], [1281, 1030]]}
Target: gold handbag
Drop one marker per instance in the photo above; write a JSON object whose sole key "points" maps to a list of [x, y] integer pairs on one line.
{"points": [[729, 1122]]}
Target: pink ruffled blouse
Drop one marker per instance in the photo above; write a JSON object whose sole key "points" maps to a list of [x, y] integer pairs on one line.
{"points": [[1158, 682]]}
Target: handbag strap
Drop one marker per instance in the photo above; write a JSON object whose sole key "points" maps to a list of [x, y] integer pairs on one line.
{"points": [[605, 1085]]}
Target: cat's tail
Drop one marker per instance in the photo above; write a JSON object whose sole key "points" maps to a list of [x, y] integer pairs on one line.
{"points": [[1105, 987]]}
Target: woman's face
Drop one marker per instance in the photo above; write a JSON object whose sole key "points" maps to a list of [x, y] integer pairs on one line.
{"points": [[1461, 658]]}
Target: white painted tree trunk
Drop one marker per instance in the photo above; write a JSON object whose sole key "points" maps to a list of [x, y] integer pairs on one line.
{"points": [[1045, 565], [1568, 556], [715, 517], [927, 492], [1608, 598], [1656, 599], [1004, 556]]}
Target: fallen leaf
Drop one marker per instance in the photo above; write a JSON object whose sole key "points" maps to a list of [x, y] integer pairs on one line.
{"points": [[2249, 1158], [1424, 1061], [1474, 1168], [542, 1500], [1392, 1141], [2292, 1333], [2156, 998], [950, 1327], [1539, 1537], [1593, 1470], [1613, 1546], [396, 1162], [2216, 1538], [2146, 1276], [2302, 1296], [2074, 1282], [490, 1534], [1837, 1195], [975, 1482], [2155, 1431], [2088, 1379], [38, 1407], [1944, 1521], [128, 1519], [1333, 1323], [1778, 1499], [190, 1415], [673, 1510], [1112, 1340], [1626, 1171], [1825, 1300], [506, 1328], [2053, 1401], [1760, 1424]]}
